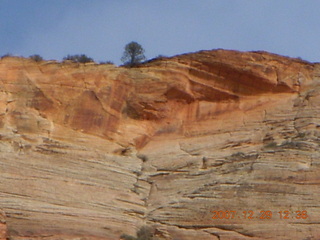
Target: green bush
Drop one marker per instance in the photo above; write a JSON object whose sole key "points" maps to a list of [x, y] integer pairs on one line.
{"points": [[271, 145], [6, 55], [127, 237], [82, 58], [144, 233], [133, 54], [36, 58], [107, 62], [160, 56]]}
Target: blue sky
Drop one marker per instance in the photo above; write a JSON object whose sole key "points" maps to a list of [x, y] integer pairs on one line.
{"points": [[101, 28]]}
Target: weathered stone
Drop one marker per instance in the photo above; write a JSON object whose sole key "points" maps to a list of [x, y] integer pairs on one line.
{"points": [[3, 226], [94, 151]]}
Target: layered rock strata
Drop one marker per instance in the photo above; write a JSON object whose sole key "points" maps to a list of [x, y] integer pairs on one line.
{"points": [[3, 226], [92, 151]]}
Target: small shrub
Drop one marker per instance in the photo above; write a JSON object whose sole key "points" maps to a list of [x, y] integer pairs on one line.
{"points": [[271, 145], [293, 145], [144, 233], [127, 237], [143, 157], [107, 62], [300, 59], [36, 58], [6, 55], [82, 58], [238, 155], [160, 56], [301, 135]]}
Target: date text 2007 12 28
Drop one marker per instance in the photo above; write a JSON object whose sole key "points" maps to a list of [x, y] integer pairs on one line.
{"points": [[283, 215]]}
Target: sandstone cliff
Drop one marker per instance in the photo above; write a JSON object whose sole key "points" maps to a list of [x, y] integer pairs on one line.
{"points": [[3, 226], [93, 151]]}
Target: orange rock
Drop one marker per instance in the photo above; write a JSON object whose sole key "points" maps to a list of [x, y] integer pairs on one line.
{"points": [[3, 227], [93, 151]]}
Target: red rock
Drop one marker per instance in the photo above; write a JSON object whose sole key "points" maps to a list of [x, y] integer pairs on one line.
{"points": [[93, 151], [3, 227]]}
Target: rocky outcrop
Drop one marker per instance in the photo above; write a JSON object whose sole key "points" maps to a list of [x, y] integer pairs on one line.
{"points": [[93, 151], [3, 226]]}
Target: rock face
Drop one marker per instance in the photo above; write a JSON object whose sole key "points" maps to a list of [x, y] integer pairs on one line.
{"points": [[94, 151], [3, 226]]}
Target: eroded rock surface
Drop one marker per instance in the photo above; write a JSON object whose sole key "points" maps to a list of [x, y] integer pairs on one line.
{"points": [[3, 226], [94, 151]]}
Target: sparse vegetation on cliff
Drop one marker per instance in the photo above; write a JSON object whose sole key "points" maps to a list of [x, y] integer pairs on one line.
{"points": [[82, 58], [106, 62], [6, 55], [36, 58], [144, 233], [159, 145], [133, 54]]}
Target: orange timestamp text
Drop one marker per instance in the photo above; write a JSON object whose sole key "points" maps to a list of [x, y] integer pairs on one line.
{"points": [[263, 214]]}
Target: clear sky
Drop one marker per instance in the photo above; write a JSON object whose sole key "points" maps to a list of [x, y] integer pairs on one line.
{"points": [[101, 28]]}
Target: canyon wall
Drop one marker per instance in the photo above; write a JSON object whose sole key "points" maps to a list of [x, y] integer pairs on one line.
{"points": [[3, 226], [93, 151]]}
